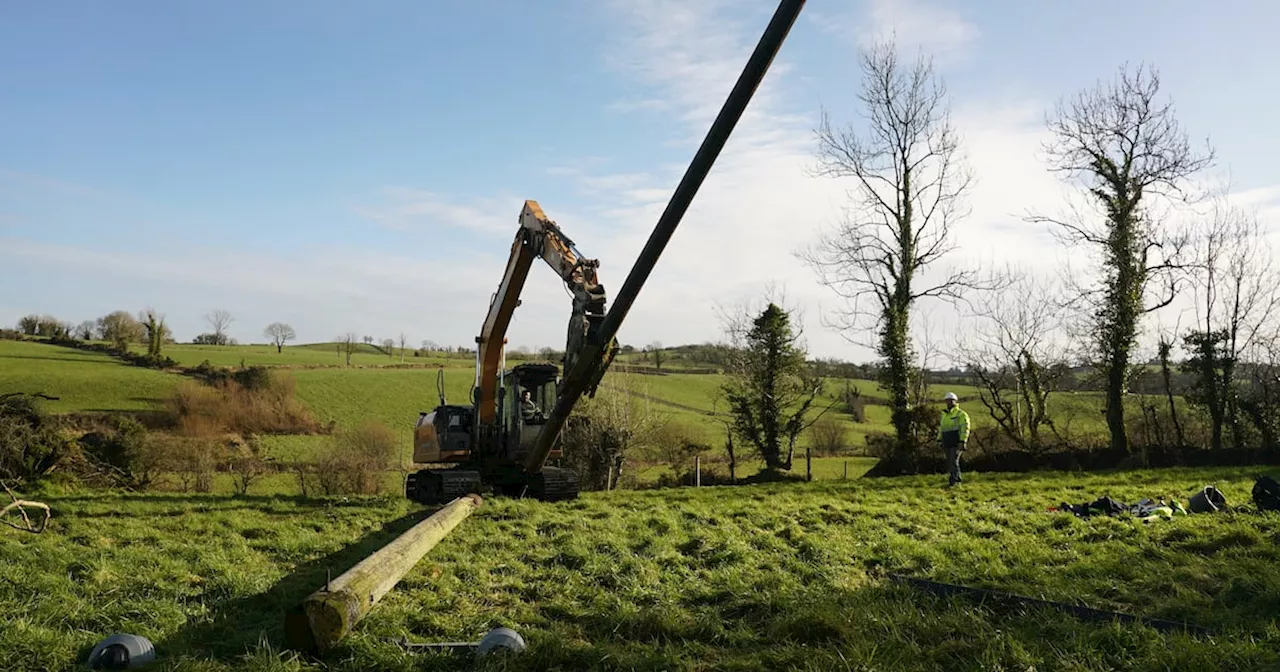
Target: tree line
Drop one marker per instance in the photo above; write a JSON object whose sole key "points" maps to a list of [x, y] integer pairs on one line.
{"points": [[1154, 231]]}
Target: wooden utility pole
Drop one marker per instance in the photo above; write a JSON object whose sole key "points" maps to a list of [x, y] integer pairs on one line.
{"points": [[330, 613]]}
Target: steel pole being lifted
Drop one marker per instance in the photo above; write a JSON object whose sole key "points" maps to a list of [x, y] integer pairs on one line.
{"points": [[584, 371]]}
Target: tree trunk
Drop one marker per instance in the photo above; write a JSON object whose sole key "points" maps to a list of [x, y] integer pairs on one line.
{"points": [[1115, 407], [899, 375], [1215, 422], [1167, 375]]}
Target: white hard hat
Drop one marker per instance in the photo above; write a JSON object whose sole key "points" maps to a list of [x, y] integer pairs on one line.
{"points": [[951, 395]]}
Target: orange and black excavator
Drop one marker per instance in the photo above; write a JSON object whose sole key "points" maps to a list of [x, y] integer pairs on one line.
{"points": [[503, 439], [487, 440]]}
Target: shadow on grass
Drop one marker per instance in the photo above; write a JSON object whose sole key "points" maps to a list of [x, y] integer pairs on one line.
{"points": [[878, 626], [239, 625]]}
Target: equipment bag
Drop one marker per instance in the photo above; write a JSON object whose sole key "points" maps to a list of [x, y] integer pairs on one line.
{"points": [[1266, 494]]}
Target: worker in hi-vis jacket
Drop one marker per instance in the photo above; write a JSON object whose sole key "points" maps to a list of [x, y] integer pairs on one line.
{"points": [[953, 434]]}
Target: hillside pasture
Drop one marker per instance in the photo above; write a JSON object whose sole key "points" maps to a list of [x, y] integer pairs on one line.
{"points": [[83, 381], [760, 577], [310, 355]]}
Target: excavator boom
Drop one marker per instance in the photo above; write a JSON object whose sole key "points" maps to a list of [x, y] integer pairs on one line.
{"points": [[537, 236]]}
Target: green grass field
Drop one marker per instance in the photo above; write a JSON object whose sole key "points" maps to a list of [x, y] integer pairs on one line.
{"points": [[394, 396], [83, 381], [759, 577], [315, 354]]}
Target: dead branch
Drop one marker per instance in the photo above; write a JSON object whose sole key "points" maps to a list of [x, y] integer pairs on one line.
{"points": [[20, 505]]}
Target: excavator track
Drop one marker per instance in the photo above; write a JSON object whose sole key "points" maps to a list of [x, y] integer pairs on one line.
{"points": [[441, 486], [552, 484]]}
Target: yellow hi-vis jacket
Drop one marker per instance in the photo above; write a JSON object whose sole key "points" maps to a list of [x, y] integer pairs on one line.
{"points": [[954, 420]]}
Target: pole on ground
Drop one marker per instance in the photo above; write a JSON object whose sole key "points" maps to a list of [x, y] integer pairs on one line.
{"points": [[330, 613], [808, 465], [846, 470]]}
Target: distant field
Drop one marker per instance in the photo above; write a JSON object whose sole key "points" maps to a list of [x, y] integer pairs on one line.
{"points": [[824, 468], [83, 381], [395, 396], [319, 354]]}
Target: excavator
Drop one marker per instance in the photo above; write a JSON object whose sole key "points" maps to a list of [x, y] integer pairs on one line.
{"points": [[502, 440], [486, 440]]}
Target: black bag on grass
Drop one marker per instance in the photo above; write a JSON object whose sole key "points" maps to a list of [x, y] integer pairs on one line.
{"points": [[1266, 494]]}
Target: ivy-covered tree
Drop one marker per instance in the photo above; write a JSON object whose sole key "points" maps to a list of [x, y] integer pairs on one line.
{"points": [[908, 185], [1123, 148], [156, 332]]}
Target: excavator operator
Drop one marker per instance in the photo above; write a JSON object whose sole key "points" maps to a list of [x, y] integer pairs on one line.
{"points": [[528, 409]]}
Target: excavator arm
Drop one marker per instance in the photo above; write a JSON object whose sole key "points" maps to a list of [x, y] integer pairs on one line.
{"points": [[536, 237]]}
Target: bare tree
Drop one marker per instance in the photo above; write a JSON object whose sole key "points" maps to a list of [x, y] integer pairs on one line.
{"points": [[1164, 354], [279, 333], [1123, 148], [219, 320], [1015, 353], [404, 341], [86, 330], [347, 344], [655, 348], [908, 186], [1259, 399], [1237, 296], [389, 346]]}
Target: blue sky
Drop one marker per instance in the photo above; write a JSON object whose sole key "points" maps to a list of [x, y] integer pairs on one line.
{"points": [[359, 166]]}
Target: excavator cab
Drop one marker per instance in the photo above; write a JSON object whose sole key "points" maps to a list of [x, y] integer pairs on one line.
{"points": [[524, 417]]}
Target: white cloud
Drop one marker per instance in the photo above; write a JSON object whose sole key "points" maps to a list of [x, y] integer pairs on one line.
{"points": [[913, 24], [408, 209]]}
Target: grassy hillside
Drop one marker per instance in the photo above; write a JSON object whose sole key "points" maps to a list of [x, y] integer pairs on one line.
{"points": [[395, 396], [317, 354], [83, 381], [762, 577]]}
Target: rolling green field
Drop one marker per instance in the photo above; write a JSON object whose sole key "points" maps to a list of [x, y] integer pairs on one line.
{"points": [[82, 381], [377, 388], [316, 354], [762, 577]]}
